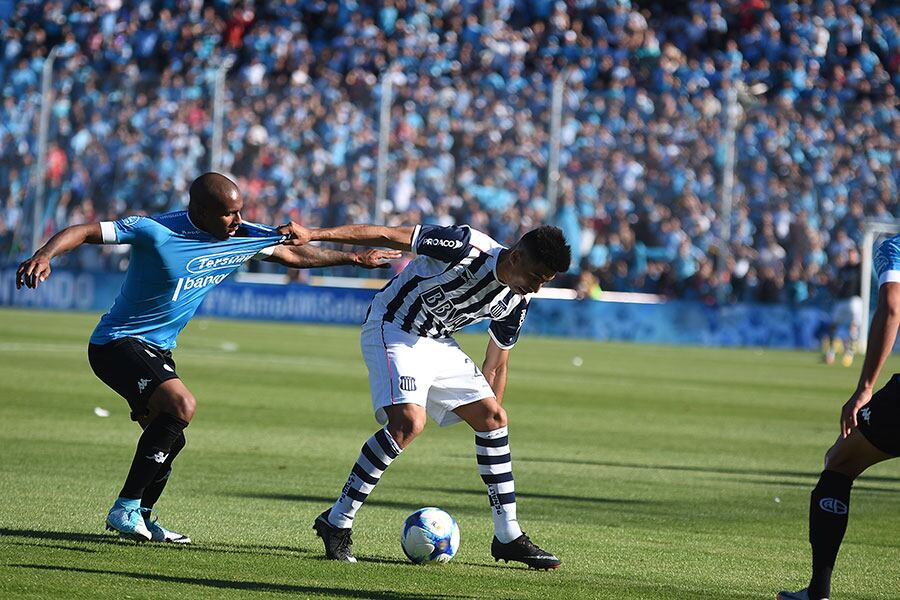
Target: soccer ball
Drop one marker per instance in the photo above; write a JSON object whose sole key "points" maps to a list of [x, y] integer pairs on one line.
{"points": [[429, 535]]}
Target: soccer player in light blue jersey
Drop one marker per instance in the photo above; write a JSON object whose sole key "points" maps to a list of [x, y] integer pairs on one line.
{"points": [[870, 431], [176, 259]]}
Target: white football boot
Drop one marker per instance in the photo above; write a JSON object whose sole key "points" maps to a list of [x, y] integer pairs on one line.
{"points": [[159, 533]]}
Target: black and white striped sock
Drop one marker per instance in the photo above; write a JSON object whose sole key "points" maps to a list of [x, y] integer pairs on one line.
{"points": [[495, 466], [377, 453]]}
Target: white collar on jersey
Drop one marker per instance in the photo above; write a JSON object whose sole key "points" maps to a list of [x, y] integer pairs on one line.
{"points": [[187, 215], [495, 254]]}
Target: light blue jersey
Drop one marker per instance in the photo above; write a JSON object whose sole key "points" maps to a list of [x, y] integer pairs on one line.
{"points": [[173, 266], [887, 261]]}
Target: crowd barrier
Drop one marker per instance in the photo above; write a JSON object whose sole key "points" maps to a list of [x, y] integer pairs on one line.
{"points": [[675, 322]]}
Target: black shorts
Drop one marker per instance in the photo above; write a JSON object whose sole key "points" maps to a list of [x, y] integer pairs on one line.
{"points": [[879, 420], [133, 369]]}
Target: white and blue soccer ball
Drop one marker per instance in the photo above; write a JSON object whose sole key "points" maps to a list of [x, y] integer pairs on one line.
{"points": [[429, 535]]}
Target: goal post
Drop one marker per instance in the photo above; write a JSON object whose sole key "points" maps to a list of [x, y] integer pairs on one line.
{"points": [[874, 232]]}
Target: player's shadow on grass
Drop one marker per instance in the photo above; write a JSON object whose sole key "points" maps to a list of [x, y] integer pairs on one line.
{"points": [[327, 501], [528, 495], [812, 476], [99, 538], [322, 500], [56, 546], [808, 485], [249, 586], [59, 536], [383, 560]]}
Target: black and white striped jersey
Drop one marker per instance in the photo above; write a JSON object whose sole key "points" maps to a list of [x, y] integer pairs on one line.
{"points": [[450, 284]]}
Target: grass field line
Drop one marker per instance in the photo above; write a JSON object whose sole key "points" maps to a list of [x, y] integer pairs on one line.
{"points": [[40, 347], [331, 364], [335, 363], [340, 365]]}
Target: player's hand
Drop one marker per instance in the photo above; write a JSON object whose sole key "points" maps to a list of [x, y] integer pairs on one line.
{"points": [[33, 271], [848, 413], [377, 259], [298, 235]]}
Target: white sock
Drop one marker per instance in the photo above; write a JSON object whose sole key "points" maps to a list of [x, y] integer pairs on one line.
{"points": [[377, 453], [495, 466]]}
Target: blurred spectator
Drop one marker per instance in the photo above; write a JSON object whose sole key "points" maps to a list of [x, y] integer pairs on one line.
{"points": [[642, 135]]}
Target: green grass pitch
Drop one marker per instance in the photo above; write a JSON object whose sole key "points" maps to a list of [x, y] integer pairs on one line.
{"points": [[653, 472]]}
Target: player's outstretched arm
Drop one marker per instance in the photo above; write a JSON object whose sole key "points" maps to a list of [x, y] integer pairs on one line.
{"points": [[37, 268], [494, 368], [377, 236], [309, 257], [882, 335]]}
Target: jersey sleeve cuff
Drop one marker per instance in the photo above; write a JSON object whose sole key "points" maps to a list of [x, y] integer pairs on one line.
{"points": [[415, 238], [265, 252], [108, 232], [499, 344], [889, 277]]}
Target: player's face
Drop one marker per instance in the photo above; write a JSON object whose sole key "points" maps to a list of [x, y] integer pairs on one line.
{"points": [[527, 276], [224, 217]]}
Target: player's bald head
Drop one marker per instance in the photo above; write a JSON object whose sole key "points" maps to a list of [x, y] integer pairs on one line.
{"points": [[215, 205], [213, 190]]}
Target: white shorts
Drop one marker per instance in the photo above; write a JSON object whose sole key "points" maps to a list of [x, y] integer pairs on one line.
{"points": [[433, 373], [848, 311]]}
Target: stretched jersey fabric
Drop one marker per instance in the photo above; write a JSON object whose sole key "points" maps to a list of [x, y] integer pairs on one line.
{"points": [[887, 260], [173, 266], [450, 284]]}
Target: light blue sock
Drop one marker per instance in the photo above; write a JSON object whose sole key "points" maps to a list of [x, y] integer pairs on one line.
{"points": [[127, 503]]}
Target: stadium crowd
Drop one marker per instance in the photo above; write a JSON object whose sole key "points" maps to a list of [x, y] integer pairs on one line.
{"points": [[643, 129]]}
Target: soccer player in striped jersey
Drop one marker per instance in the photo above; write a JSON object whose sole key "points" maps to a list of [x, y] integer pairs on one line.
{"points": [[870, 431], [416, 368], [176, 259]]}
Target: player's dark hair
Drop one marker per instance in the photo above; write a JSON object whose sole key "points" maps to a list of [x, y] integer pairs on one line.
{"points": [[547, 245]]}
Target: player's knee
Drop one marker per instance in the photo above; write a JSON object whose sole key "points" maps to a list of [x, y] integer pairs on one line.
{"points": [[181, 404], [833, 463], [406, 428], [840, 460], [496, 418]]}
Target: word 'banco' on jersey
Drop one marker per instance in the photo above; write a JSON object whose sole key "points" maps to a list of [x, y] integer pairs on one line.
{"points": [[452, 283], [173, 265]]}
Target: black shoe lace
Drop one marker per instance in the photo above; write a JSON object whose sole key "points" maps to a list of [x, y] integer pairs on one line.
{"points": [[528, 546], [343, 541], [531, 549]]}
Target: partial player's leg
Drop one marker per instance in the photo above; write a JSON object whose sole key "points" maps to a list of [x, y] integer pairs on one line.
{"points": [[405, 422], [488, 419], [399, 378], [146, 378], [855, 317], [829, 506], [171, 409], [152, 493]]}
